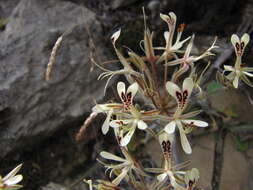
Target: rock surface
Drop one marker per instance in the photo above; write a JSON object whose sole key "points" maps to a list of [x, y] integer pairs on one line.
{"points": [[30, 107]]}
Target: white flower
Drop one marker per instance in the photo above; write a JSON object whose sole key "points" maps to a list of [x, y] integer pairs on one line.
{"points": [[180, 120], [126, 96], [240, 44], [130, 125], [191, 178], [10, 181], [125, 165]]}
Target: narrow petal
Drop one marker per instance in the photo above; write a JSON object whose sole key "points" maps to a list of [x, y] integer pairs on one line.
{"points": [[236, 81], [161, 177], [248, 74], [133, 89], [184, 141], [197, 123], [121, 88], [173, 90], [13, 180], [115, 36], [12, 173], [106, 124], [142, 125], [229, 68], [119, 123], [164, 17], [126, 139], [121, 176], [170, 127], [110, 156]]}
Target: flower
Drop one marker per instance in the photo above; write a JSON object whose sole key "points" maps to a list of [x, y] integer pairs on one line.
{"points": [[191, 178], [180, 120], [238, 72], [126, 164], [11, 180]]}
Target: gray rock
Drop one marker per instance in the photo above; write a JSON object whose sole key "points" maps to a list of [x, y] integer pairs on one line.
{"points": [[30, 107]]}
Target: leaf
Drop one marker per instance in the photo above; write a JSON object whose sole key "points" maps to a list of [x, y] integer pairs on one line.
{"points": [[213, 86], [241, 145]]}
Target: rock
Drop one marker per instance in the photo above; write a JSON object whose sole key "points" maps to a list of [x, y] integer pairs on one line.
{"points": [[236, 170], [31, 108], [202, 158]]}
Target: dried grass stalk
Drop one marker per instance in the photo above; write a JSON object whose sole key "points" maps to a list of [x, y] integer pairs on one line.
{"points": [[52, 57]]}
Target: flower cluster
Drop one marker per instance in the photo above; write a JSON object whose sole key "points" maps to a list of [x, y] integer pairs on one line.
{"points": [[166, 96]]}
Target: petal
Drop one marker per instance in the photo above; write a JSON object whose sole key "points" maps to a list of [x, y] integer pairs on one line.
{"points": [[188, 85], [236, 81], [166, 35], [229, 68], [197, 123], [133, 88], [119, 123], [235, 39], [115, 36], [110, 156], [173, 89], [13, 180], [248, 74], [170, 127], [106, 124], [121, 176], [189, 47], [174, 183], [161, 177], [12, 173], [164, 137], [164, 17], [126, 139], [142, 125], [245, 38], [121, 88], [184, 141]]}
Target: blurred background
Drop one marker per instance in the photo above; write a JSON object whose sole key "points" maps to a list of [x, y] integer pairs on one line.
{"points": [[39, 120]]}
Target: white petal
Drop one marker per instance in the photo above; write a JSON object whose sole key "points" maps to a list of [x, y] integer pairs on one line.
{"points": [[170, 127], [164, 17], [119, 123], [121, 88], [248, 74], [161, 177], [13, 180], [12, 173], [245, 38], [165, 137], [236, 81], [234, 39], [229, 68], [173, 16], [189, 47], [106, 124], [120, 177], [133, 88], [172, 89], [197, 123], [166, 35], [115, 36], [110, 156], [188, 85], [184, 141], [126, 139], [142, 125], [174, 183]]}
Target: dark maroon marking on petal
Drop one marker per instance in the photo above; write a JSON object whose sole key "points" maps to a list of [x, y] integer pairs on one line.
{"points": [[237, 46], [123, 97], [129, 96], [242, 45], [166, 146], [179, 96]]}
